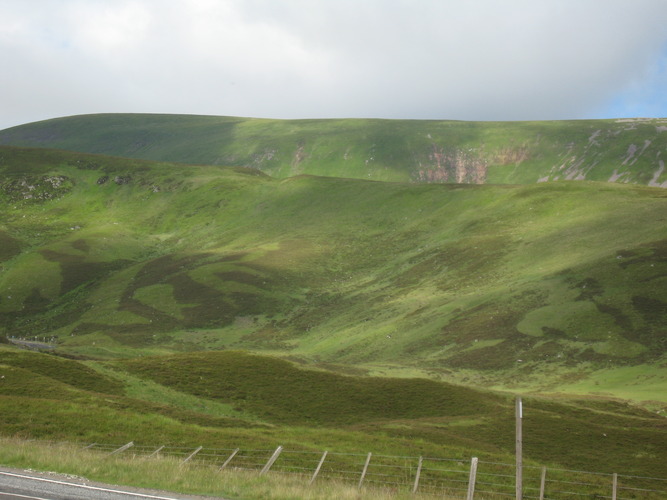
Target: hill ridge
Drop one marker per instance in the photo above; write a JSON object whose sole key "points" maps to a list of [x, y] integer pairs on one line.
{"points": [[420, 151]]}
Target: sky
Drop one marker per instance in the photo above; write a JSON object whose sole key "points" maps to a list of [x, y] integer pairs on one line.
{"points": [[408, 59]]}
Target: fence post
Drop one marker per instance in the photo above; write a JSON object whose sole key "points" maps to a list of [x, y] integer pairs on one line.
{"points": [[273, 458], [192, 455], [229, 459], [543, 482], [519, 448], [319, 466], [471, 479], [363, 474], [156, 452], [614, 486], [419, 471], [123, 448]]}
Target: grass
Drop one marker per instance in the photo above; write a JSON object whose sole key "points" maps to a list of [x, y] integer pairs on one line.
{"points": [[175, 296], [167, 474], [383, 150], [235, 399], [444, 278]]}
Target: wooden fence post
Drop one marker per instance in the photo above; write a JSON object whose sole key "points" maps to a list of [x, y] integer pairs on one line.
{"points": [[123, 448], [229, 459], [273, 458], [614, 486], [519, 448], [156, 452], [319, 466], [363, 474], [543, 482], [472, 478], [419, 471], [192, 455]]}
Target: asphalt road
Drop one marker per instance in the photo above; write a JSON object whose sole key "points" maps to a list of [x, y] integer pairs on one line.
{"points": [[29, 485]]}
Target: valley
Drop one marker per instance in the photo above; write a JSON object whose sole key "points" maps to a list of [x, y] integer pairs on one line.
{"points": [[273, 297]]}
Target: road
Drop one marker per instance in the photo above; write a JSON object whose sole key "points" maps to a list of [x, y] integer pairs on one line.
{"points": [[28, 485]]}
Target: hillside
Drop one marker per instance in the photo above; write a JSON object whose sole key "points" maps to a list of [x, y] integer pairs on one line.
{"points": [[622, 151], [538, 286], [234, 399]]}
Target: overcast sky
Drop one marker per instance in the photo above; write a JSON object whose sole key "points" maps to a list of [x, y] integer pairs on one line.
{"points": [[436, 59]]}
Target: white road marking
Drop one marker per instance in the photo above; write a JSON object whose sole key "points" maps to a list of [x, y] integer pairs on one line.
{"points": [[12, 495], [96, 488]]}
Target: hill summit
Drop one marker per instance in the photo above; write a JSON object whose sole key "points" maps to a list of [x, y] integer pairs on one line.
{"points": [[420, 151]]}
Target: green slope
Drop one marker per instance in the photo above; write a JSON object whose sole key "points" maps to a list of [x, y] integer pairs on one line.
{"points": [[534, 286], [625, 151], [233, 399]]}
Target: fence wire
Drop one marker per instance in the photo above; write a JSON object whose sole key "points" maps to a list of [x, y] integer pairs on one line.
{"points": [[445, 477]]}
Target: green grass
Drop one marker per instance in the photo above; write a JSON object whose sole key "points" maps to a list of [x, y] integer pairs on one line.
{"points": [[235, 399], [384, 150], [169, 284], [166, 473], [444, 279]]}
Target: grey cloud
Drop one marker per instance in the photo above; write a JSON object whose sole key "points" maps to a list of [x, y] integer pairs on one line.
{"points": [[477, 60]]}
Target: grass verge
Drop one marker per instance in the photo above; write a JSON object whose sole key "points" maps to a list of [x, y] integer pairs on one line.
{"points": [[166, 473]]}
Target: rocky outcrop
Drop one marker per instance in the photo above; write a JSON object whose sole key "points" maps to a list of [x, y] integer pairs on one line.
{"points": [[35, 188], [452, 165]]}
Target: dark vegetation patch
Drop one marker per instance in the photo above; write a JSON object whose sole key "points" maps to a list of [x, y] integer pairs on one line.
{"points": [[9, 246], [76, 271], [507, 354], [649, 253], [35, 302], [68, 372], [590, 288], [278, 391], [621, 319], [483, 322], [244, 277], [653, 311], [81, 245], [209, 306]]}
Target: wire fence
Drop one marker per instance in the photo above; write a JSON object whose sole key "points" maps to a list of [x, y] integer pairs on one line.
{"points": [[449, 478]]}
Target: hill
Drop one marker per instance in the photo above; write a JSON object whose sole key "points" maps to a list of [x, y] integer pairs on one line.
{"points": [[543, 286], [623, 151], [234, 399]]}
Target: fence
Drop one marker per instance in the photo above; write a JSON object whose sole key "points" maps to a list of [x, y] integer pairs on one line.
{"points": [[449, 478]]}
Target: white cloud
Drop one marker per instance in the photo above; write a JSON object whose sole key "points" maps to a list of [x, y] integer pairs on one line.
{"points": [[483, 59]]}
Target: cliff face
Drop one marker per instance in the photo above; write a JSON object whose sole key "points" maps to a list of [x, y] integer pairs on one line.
{"points": [[452, 165]]}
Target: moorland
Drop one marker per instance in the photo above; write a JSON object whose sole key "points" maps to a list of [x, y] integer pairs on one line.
{"points": [[338, 284]]}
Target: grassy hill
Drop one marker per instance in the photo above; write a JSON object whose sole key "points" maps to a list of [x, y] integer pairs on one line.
{"points": [[544, 286], [624, 151], [154, 282], [234, 399]]}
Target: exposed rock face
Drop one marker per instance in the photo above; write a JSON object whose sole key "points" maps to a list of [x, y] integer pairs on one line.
{"points": [[42, 188], [122, 179]]}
